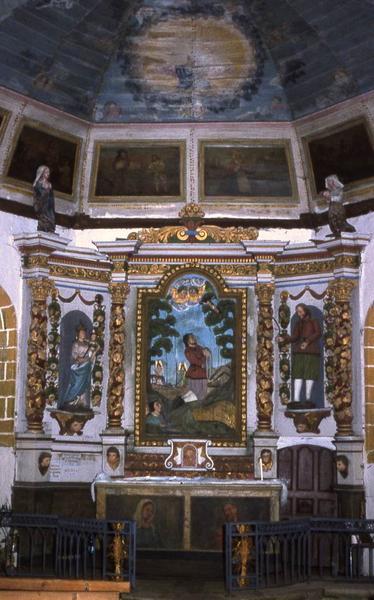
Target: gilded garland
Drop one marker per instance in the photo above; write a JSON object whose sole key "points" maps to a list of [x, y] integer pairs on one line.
{"points": [[98, 337], [284, 315], [52, 379], [329, 315]]}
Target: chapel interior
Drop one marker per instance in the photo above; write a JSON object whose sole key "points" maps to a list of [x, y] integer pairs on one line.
{"points": [[186, 284]]}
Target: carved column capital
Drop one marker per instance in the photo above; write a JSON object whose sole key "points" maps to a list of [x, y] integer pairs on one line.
{"points": [[41, 288], [265, 292], [342, 289], [119, 292]]}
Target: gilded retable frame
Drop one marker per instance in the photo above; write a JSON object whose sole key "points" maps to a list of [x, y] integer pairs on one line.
{"points": [[238, 365]]}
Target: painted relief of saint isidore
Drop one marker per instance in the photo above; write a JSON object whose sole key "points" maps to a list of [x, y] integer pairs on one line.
{"points": [[305, 351], [196, 376]]}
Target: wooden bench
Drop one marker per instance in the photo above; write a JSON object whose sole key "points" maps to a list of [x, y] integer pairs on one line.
{"points": [[60, 589]]}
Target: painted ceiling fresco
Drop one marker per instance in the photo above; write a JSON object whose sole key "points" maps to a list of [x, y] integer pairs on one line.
{"points": [[191, 60]]}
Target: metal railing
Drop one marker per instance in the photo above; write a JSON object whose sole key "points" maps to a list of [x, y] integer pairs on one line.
{"points": [[51, 546], [259, 554]]}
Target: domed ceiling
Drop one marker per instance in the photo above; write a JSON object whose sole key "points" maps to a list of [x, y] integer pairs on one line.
{"points": [[190, 60]]}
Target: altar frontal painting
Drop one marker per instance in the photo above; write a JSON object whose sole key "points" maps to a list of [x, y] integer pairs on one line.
{"points": [[190, 351]]}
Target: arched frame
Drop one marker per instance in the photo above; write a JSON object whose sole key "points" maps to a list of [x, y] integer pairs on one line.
{"points": [[233, 435]]}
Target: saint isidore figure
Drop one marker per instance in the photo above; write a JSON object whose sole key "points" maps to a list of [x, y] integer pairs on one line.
{"points": [[305, 351], [196, 376], [44, 201]]}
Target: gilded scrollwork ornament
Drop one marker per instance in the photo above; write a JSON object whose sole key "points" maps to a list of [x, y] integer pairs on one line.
{"points": [[116, 383], [37, 353], [265, 356], [193, 230]]}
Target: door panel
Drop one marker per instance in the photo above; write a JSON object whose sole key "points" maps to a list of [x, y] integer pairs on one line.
{"points": [[311, 478]]}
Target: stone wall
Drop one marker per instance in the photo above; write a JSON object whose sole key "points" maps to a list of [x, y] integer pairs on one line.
{"points": [[8, 358]]}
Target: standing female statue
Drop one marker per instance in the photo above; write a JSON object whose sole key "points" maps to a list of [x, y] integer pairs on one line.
{"points": [[44, 201], [336, 214], [83, 352]]}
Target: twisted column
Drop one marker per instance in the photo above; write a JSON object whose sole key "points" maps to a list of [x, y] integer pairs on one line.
{"points": [[37, 354], [265, 356], [116, 383], [342, 361]]}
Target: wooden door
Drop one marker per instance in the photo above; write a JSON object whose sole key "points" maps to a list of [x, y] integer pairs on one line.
{"points": [[310, 473]]}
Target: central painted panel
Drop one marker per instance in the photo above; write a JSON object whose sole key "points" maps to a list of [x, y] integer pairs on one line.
{"points": [[190, 361]]}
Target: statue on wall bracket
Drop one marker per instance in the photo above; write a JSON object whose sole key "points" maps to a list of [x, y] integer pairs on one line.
{"points": [[306, 369], [336, 214], [306, 355], [44, 201], [74, 406]]}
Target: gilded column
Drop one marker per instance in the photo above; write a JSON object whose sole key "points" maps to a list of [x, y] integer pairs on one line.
{"points": [[342, 377], [116, 384], [265, 356], [37, 354]]}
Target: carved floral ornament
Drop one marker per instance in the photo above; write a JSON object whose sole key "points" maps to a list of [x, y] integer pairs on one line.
{"points": [[265, 356], [37, 353], [116, 382]]}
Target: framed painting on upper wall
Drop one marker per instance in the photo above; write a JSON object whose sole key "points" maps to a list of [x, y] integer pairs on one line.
{"points": [[138, 171], [346, 150], [240, 171], [4, 118], [191, 360], [36, 144]]}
